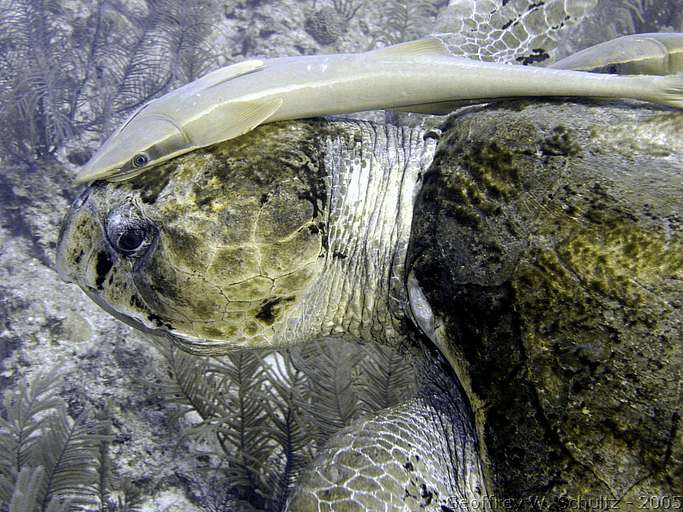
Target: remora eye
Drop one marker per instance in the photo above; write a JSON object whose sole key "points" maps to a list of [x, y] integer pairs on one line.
{"points": [[129, 234], [140, 160]]}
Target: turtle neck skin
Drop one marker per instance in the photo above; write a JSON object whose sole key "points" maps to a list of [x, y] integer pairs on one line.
{"points": [[372, 180]]}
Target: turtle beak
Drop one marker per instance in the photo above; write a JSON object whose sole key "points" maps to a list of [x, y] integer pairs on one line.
{"points": [[76, 238]]}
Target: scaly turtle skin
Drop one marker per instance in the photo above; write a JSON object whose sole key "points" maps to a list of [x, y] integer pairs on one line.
{"points": [[217, 253]]}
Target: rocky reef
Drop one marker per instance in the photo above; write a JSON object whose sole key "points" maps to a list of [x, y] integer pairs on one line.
{"points": [[548, 240]]}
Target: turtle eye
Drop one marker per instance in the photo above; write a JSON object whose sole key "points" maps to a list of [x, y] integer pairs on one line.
{"points": [[131, 240], [140, 160], [129, 235]]}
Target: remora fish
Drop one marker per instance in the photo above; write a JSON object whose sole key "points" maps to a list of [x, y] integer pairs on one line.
{"points": [[637, 54], [419, 76]]}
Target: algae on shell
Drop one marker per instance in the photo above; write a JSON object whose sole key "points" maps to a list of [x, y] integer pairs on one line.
{"points": [[554, 258]]}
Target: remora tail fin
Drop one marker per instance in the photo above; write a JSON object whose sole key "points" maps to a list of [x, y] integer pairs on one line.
{"points": [[669, 90]]}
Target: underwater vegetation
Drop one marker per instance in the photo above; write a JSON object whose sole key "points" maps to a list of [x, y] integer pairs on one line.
{"points": [[408, 19], [50, 462], [73, 72], [69, 74], [264, 415], [66, 74], [259, 419], [397, 20]]}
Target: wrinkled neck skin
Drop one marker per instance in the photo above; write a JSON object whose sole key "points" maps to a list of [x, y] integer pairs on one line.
{"points": [[372, 182]]}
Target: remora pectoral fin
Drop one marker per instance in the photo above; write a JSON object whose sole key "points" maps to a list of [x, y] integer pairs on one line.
{"points": [[439, 109], [231, 120], [428, 46], [446, 107]]}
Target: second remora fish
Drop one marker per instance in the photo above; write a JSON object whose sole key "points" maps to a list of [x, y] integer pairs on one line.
{"points": [[420, 76], [636, 54]]}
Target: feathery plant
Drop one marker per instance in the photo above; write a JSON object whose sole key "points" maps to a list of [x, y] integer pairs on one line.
{"points": [[50, 462], [406, 20], [347, 9], [268, 413], [63, 76], [32, 63]]}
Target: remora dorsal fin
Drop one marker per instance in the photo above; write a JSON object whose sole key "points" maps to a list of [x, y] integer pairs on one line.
{"points": [[429, 46], [230, 72], [231, 120]]}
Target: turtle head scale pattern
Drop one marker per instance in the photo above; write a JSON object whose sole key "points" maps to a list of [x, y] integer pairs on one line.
{"points": [[246, 244]]}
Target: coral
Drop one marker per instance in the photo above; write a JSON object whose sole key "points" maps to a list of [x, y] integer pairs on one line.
{"points": [[324, 25]]}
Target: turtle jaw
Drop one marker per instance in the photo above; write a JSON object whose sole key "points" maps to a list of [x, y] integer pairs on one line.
{"points": [[186, 342], [200, 346], [126, 319]]}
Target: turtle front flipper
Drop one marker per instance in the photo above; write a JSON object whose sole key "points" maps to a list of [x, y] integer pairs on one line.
{"points": [[420, 455]]}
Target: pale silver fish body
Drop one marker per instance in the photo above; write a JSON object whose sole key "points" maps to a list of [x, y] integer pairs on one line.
{"points": [[338, 84], [636, 54], [421, 76]]}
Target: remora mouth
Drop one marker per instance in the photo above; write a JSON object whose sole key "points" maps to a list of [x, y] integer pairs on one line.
{"points": [[93, 170]]}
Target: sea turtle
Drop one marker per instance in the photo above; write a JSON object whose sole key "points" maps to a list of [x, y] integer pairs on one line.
{"points": [[290, 233], [301, 230], [252, 248]]}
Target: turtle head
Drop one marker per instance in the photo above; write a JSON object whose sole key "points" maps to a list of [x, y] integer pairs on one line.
{"points": [[213, 252], [144, 141]]}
